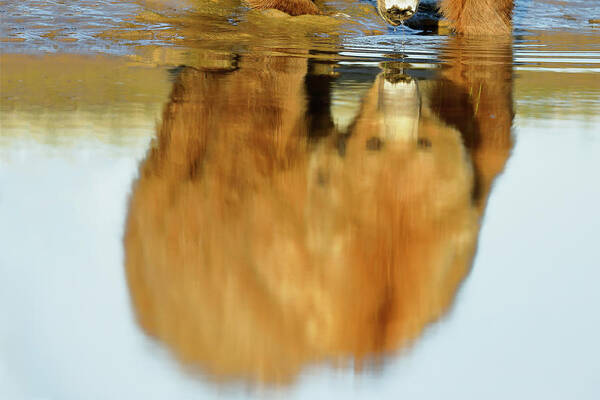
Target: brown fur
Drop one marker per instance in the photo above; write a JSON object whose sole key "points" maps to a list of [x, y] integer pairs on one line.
{"points": [[466, 17], [292, 7], [253, 252], [479, 17]]}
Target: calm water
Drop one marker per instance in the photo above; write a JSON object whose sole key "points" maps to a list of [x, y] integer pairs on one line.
{"points": [[197, 201]]}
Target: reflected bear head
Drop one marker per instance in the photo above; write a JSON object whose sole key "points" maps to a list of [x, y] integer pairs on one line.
{"points": [[254, 252]]}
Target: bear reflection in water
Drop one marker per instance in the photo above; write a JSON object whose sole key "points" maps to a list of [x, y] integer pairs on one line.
{"points": [[261, 239]]}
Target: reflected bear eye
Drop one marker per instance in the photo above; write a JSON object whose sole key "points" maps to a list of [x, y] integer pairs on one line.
{"points": [[424, 143], [374, 143]]}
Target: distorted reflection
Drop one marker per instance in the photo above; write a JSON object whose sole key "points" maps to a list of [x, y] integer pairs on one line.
{"points": [[262, 238]]}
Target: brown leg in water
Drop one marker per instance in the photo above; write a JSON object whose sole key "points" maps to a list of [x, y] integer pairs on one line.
{"points": [[479, 17], [292, 7]]}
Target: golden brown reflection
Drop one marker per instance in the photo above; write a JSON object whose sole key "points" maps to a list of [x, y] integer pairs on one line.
{"points": [[261, 240]]}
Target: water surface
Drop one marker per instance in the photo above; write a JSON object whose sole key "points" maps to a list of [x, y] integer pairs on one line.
{"points": [[201, 201]]}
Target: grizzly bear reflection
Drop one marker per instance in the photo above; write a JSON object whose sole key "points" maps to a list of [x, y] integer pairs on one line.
{"points": [[256, 248]]}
